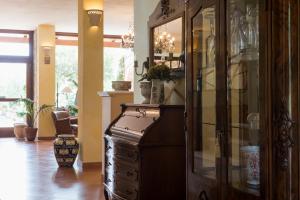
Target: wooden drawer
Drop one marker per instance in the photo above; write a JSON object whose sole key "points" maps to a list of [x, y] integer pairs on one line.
{"points": [[121, 149], [122, 189], [111, 195], [127, 154], [122, 170], [125, 190], [127, 172]]}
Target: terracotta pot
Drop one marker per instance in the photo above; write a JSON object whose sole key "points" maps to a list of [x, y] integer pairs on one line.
{"points": [[66, 149], [19, 130], [30, 133]]}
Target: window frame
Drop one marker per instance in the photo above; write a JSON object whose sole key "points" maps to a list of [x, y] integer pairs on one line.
{"points": [[28, 60]]}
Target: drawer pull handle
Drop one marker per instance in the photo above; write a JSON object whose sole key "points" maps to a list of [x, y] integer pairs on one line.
{"points": [[128, 192], [203, 196], [129, 173]]}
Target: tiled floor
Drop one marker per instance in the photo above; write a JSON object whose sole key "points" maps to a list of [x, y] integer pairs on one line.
{"points": [[28, 171]]}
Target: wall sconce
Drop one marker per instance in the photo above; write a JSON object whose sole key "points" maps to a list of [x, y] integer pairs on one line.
{"points": [[146, 65], [95, 16], [47, 53]]}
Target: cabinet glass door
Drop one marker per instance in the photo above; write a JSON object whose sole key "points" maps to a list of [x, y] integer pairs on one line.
{"points": [[206, 145], [243, 96]]}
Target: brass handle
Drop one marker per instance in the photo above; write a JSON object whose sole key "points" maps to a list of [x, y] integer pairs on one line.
{"points": [[129, 173], [219, 137], [203, 196], [128, 192]]}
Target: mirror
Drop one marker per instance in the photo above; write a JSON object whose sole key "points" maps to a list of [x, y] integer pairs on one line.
{"points": [[167, 40], [168, 44]]}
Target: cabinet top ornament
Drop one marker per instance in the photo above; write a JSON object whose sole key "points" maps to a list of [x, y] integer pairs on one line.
{"points": [[165, 8]]}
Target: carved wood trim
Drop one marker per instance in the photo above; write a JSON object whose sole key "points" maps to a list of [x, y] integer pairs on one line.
{"points": [[165, 7], [284, 141]]}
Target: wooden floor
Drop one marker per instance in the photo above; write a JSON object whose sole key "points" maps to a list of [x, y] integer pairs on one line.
{"points": [[28, 171]]}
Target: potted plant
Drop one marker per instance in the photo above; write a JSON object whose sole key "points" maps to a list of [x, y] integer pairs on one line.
{"points": [[157, 74], [31, 113], [73, 110], [120, 84]]}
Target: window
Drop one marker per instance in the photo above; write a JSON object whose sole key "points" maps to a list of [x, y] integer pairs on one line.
{"points": [[15, 77], [66, 70], [118, 64], [14, 44]]}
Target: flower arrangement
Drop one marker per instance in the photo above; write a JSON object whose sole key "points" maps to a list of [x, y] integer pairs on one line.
{"points": [[159, 71]]}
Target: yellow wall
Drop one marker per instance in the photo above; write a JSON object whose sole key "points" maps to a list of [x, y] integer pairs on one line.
{"points": [[90, 81], [45, 78], [118, 98]]}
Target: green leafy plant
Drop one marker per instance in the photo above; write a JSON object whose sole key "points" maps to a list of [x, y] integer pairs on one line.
{"points": [[32, 111], [73, 110], [160, 71], [121, 72], [74, 82]]}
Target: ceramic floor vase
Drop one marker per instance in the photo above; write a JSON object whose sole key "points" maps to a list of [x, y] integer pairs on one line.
{"points": [[66, 149]]}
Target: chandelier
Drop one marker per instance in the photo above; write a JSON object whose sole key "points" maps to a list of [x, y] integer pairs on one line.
{"points": [[164, 42], [128, 38]]}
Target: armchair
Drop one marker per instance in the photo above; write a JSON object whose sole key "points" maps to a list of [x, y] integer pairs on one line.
{"points": [[64, 124]]}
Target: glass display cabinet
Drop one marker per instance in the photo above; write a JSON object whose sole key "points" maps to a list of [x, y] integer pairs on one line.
{"points": [[242, 99]]}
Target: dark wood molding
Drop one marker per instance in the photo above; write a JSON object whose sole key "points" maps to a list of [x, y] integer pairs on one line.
{"points": [[8, 99], [16, 31], [284, 141], [6, 132]]}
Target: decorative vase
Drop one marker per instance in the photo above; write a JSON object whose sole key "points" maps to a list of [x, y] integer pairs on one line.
{"points": [[66, 149], [157, 92], [146, 91], [30, 133], [121, 85], [19, 130], [250, 165]]}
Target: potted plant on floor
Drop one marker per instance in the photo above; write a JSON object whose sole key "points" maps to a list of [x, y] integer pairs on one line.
{"points": [[31, 112]]}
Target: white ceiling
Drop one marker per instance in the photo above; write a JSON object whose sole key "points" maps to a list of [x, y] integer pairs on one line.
{"points": [[27, 14]]}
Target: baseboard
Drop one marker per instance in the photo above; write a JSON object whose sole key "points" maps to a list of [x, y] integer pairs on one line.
{"points": [[46, 138], [89, 165]]}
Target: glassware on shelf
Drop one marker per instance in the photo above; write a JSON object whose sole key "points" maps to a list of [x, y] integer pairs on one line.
{"points": [[252, 31], [210, 47], [250, 166], [238, 32], [253, 120]]}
